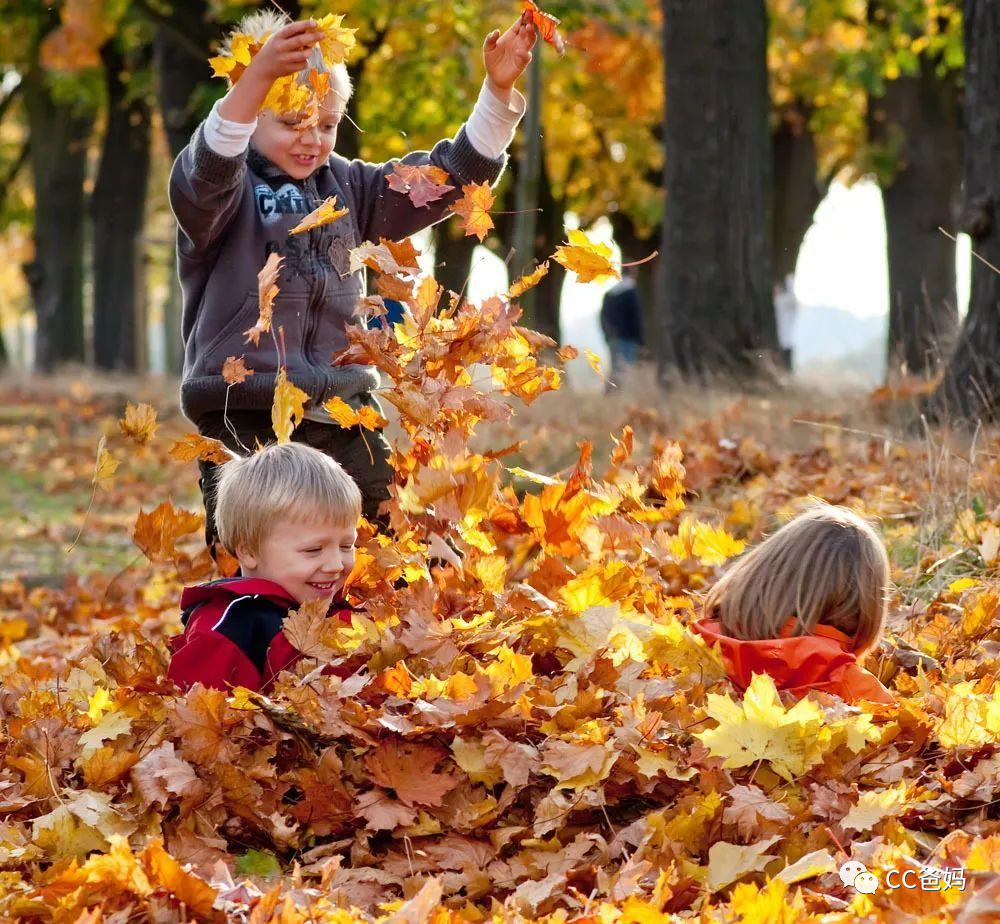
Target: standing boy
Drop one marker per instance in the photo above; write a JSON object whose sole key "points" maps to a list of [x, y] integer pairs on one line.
{"points": [[247, 177]]}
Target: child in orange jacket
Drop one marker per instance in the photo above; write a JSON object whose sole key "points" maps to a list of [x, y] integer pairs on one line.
{"points": [[804, 606]]}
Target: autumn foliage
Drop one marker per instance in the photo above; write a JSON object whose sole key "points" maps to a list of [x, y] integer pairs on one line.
{"points": [[535, 732]]}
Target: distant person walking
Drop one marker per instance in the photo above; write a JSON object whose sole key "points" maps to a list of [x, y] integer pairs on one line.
{"points": [[621, 323], [786, 307]]}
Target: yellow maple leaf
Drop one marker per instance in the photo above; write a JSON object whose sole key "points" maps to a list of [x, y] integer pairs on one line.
{"points": [[475, 207], [760, 728], [288, 407], [98, 703], [874, 805], [711, 546], [590, 260], [346, 416], [337, 42], [325, 213], [105, 467], [528, 281], [509, 669], [138, 423]]}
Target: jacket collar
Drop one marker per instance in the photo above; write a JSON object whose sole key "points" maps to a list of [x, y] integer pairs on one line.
{"points": [[792, 660], [227, 589]]}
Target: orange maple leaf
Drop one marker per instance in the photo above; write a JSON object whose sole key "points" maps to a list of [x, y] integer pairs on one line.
{"points": [[423, 184], [195, 446], [547, 25], [157, 533], [139, 423], [325, 213], [235, 371], [474, 207], [267, 290], [409, 769]]}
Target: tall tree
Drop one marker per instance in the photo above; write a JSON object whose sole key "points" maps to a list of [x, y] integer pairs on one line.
{"points": [[970, 388], [59, 135], [915, 144], [717, 230], [923, 112], [118, 208]]}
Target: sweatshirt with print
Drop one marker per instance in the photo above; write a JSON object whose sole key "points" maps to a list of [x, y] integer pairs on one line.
{"points": [[233, 212]]}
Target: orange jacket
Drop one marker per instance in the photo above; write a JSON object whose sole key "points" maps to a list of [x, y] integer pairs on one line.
{"points": [[821, 661]]}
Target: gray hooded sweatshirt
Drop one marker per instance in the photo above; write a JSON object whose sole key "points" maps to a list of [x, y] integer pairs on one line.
{"points": [[233, 212]]}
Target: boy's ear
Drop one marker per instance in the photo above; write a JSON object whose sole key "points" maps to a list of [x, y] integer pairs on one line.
{"points": [[245, 558]]}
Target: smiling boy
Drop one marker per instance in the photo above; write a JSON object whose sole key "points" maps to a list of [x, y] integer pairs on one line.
{"points": [[289, 514], [245, 180]]}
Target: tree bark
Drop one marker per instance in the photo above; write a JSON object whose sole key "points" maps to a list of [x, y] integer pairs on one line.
{"points": [[119, 206], [545, 299], [59, 136], [970, 389], [526, 189], [923, 112], [798, 189], [718, 313]]}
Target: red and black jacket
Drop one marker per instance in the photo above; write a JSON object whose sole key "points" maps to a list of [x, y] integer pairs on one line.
{"points": [[232, 634]]}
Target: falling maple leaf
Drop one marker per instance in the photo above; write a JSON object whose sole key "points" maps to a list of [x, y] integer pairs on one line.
{"points": [[287, 408], [528, 281], [138, 423], [156, 533], [590, 260], [423, 184], [547, 25], [474, 207], [595, 362], [325, 213], [195, 446], [105, 467], [235, 371], [346, 416], [267, 290]]}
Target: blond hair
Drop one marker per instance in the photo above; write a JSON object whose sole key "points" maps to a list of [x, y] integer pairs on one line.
{"points": [[263, 24], [828, 565], [289, 480]]}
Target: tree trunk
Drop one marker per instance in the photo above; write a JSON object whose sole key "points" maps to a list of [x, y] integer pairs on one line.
{"points": [[181, 49], [971, 385], [717, 233], [545, 299], [923, 112], [798, 189], [453, 256], [118, 204], [59, 136]]}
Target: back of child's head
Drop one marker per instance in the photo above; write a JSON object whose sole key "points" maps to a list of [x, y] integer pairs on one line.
{"points": [[262, 24], [289, 481], [826, 566]]}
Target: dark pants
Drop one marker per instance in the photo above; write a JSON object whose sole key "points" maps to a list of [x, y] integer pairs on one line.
{"points": [[364, 455]]}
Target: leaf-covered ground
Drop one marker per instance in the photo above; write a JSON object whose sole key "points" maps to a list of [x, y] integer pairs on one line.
{"points": [[534, 735]]}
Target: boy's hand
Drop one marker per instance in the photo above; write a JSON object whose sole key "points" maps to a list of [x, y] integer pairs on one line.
{"points": [[506, 56], [286, 52]]}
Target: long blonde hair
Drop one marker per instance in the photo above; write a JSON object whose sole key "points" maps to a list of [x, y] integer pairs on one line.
{"points": [[827, 566]]}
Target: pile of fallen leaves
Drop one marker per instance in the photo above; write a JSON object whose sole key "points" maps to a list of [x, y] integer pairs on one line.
{"points": [[534, 733]]}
